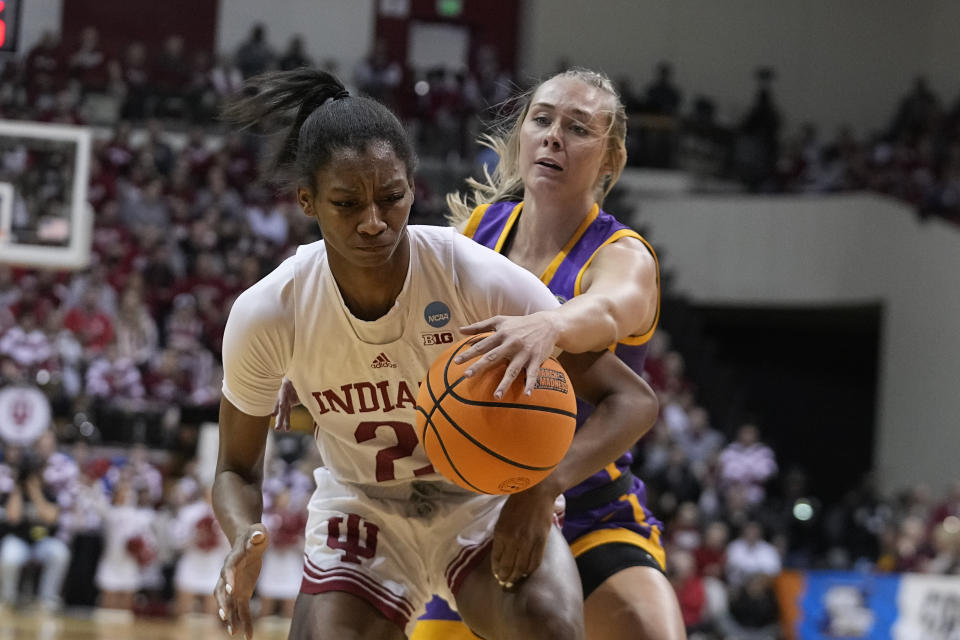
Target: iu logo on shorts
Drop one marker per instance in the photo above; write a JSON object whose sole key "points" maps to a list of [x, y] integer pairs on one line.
{"points": [[354, 548]]}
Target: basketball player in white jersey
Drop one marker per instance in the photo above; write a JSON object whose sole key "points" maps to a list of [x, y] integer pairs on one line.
{"points": [[354, 322]]}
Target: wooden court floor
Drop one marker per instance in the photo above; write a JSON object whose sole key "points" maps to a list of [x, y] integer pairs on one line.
{"points": [[38, 625]]}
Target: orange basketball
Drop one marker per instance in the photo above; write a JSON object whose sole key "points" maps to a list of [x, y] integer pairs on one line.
{"points": [[489, 445]]}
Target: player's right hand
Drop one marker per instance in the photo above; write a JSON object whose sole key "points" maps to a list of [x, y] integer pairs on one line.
{"points": [[525, 341], [287, 398], [238, 577]]}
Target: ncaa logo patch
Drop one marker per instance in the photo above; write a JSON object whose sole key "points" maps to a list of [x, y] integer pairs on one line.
{"points": [[436, 314]]}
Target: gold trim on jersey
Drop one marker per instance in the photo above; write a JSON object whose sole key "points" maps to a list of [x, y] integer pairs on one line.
{"points": [[474, 221], [427, 629], [477, 216], [616, 235], [601, 537], [507, 226], [613, 471], [558, 259]]}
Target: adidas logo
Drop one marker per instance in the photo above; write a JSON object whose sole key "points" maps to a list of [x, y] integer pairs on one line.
{"points": [[382, 361]]}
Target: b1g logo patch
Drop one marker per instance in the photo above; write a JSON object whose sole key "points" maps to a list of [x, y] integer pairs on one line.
{"points": [[436, 314], [440, 337]]}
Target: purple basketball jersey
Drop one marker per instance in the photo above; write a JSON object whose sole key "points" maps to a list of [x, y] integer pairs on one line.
{"points": [[491, 225]]}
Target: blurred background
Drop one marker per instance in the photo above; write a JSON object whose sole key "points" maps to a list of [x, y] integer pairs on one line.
{"points": [[795, 165]]}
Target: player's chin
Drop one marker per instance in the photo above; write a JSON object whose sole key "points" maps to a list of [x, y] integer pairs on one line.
{"points": [[373, 256]]}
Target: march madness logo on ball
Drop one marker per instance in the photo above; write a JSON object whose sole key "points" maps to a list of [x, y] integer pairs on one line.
{"points": [[551, 379], [437, 314]]}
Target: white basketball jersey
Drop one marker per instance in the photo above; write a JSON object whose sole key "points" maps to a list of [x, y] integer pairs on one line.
{"points": [[359, 379]]}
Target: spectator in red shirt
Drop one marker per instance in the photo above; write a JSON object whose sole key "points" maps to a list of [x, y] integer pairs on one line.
{"points": [[689, 589], [92, 327], [711, 555]]}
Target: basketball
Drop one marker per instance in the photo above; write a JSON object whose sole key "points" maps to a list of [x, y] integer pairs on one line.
{"points": [[488, 445]]}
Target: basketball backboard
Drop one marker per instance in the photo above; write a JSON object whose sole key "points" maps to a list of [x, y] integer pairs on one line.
{"points": [[45, 220]]}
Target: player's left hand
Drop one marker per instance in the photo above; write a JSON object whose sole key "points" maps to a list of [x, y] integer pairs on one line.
{"points": [[238, 579], [520, 536], [525, 341]]}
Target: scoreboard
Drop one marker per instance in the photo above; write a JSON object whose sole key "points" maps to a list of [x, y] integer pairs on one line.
{"points": [[9, 24]]}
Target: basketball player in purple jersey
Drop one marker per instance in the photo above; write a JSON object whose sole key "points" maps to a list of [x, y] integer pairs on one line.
{"points": [[341, 320], [558, 159]]}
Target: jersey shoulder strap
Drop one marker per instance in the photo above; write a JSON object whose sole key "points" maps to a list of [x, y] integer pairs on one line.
{"points": [[489, 224]]}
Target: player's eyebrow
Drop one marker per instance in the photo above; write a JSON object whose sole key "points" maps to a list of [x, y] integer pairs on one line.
{"points": [[586, 115]]}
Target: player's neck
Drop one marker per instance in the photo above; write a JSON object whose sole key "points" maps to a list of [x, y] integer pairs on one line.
{"points": [[370, 293], [547, 223]]}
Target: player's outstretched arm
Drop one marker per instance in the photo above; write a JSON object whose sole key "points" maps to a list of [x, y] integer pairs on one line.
{"points": [[619, 298], [625, 409], [238, 503]]}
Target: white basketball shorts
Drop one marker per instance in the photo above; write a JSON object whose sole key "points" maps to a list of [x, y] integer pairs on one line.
{"points": [[397, 548]]}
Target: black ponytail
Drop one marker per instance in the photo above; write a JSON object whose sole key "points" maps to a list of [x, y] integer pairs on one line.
{"points": [[313, 115]]}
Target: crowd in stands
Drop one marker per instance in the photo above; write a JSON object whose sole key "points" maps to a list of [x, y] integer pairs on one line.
{"points": [[915, 158], [128, 351], [177, 235], [734, 519], [128, 529]]}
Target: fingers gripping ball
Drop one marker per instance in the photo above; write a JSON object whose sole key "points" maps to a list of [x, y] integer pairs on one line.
{"points": [[488, 445]]}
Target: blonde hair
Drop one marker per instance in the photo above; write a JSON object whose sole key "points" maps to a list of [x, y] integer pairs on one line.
{"points": [[505, 183]]}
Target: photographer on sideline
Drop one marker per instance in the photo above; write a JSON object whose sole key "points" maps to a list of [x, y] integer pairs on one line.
{"points": [[29, 514]]}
